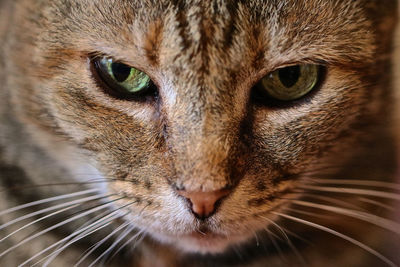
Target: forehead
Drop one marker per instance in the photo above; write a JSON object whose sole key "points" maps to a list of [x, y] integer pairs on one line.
{"points": [[292, 26], [260, 8], [222, 36]]}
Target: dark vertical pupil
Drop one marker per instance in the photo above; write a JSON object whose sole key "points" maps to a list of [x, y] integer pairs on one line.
{"points": [[121, 71], [289, 76]]}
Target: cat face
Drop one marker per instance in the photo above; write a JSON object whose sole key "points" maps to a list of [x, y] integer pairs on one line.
{"points": [[203, 136]]}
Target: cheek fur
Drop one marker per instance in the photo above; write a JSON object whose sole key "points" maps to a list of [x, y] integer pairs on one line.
{"points": [[324, 165]]}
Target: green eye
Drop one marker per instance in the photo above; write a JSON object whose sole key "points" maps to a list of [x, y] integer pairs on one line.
{"points": [[291, 83], [121, 78]]}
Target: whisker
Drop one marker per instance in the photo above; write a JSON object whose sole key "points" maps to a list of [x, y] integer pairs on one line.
{"points": [[34, 186], [256, 237], [92, 220], [81, 233], [99, 244], [47, 200], [115, 244], [141, 232], [297, 236], [272, 237], [277, 227], [364, 216], [57, 251], [90, 231], [276, 236], [323, 167], [288, 241], [357, 191], [308, 213], [38, 220], [345, 237], [130, 240], [332, 200], [53, 227], [236, 249], [58, 212], [356, 182], [376, 203], [30, 215]]}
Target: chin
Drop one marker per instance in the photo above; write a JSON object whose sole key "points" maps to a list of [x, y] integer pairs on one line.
{"points": [[203, 243]]}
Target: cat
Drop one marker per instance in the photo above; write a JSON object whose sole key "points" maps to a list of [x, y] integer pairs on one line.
{"points": [[198, 133]]}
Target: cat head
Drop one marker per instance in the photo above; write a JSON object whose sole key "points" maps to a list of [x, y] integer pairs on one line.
{"points": [[208, 143]]}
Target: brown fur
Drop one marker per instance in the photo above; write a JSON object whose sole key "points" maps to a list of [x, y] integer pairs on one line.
{"points": [[204, 132]]}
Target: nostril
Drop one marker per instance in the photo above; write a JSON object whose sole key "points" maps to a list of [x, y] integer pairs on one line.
{"points": [[204, 203]]}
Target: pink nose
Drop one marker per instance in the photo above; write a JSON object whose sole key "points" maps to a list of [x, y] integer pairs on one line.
{"points": [[203, 203]]}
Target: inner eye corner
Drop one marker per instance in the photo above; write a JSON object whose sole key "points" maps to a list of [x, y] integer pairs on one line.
{"points": [[121, 81]]}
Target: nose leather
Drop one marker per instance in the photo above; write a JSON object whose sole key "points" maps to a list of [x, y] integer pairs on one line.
{"points": [[203, 204]]}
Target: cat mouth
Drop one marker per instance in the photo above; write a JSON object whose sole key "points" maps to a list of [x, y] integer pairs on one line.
{"points": [[212, 236]]}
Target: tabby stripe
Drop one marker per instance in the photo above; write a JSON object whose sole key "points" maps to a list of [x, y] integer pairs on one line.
{"points": [[183, 24], [230, 29]]}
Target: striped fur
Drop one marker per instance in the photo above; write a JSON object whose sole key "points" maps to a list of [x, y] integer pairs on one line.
{"points": [[204, 132]]}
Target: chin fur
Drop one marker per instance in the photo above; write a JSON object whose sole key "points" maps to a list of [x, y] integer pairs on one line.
{"points": [[201, 243]]}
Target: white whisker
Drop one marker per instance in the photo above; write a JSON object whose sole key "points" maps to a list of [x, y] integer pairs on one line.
{"points": [[99, 243], [376, 203], [59, 250], [35, 186], [54, 227], [288, 241], [256, 238], [46, 200], [102, 241], [115, 244], [297, 236], [356, 182], [345, 237], [88, 230], [38, 220], [364, 216], [90, 221], [277, 227], [272, 237], [30, 215], [77, 235], [130, 240], [313, 214], [332, 200], [342, 190], [141, 233]]}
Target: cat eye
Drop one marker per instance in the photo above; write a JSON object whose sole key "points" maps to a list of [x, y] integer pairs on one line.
{"points": [[122, 80], [290, 83]]}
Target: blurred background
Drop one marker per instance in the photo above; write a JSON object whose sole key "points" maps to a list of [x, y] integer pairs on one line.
{"points": [[396, 62]]}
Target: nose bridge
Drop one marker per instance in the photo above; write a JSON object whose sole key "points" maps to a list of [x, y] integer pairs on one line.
{"points": [[203, 135]]}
